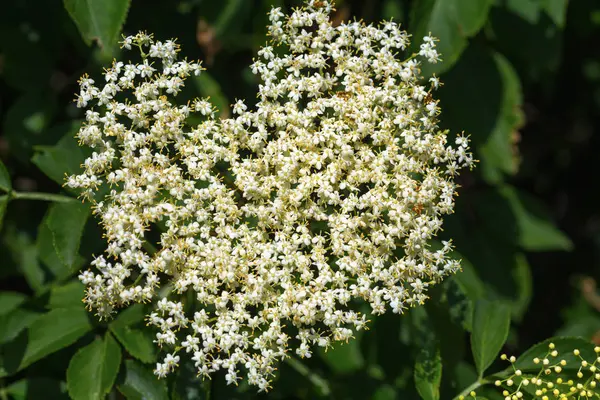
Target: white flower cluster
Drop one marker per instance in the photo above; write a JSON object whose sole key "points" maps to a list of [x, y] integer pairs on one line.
{"points": [[270, 225]]}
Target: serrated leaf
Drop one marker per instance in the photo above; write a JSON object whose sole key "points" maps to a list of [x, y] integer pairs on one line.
{"points": [[428, 370], [536, 230], [65, 157], [539, 53], [98, 20], [53, 331], [491, 320], [452, 22], [68, 295], [10, 300], [129, 316], [5, 184], [66, 222], [137, 342], [140, 383], [93, 369], [25, 254], [460, 305]]}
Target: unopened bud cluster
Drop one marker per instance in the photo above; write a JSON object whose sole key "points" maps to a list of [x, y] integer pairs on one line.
{"points": [[550, 382], [271, 224]]}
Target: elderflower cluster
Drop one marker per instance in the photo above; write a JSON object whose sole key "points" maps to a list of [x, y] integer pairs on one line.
{"points": [[545, 386], [254, 236]]}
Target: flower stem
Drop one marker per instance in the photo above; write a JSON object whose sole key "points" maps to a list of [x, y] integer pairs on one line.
{"points": [[478, 383], [41, 196]]}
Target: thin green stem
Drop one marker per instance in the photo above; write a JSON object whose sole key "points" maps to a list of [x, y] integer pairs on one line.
{"points": [[41, 196], [208, 390], [478, 383]]}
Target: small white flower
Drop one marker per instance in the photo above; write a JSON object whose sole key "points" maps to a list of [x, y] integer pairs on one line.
{"points": [[330, 190]]}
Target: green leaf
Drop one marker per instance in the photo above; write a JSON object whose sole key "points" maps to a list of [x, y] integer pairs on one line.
{"points": [[529, 10], [5, 184], [13, 323], [460, 305], [98, 20], [137, 342], [523, 279], [10, 300], [129, 316], [344, 358], [26, 123], [37, 388], [564, 346], [491, 116], [3, 204], [428, 371], [539, 53], [48, 254], [66, 222], [68, 295], [53, 331], [93, 369], [209, 87], [468, 280], [499, 152], [556, 10], [24, 253], [491, 320], [65, 157], [140, 383], [452, 22], [536, 230]]}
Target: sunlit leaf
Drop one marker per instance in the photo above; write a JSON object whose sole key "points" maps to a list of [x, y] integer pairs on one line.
{"points": [[66, 222], [491, 320], [98, 20]]}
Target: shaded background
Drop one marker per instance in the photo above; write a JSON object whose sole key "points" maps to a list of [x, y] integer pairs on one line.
{"points": [[521, 77]]}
